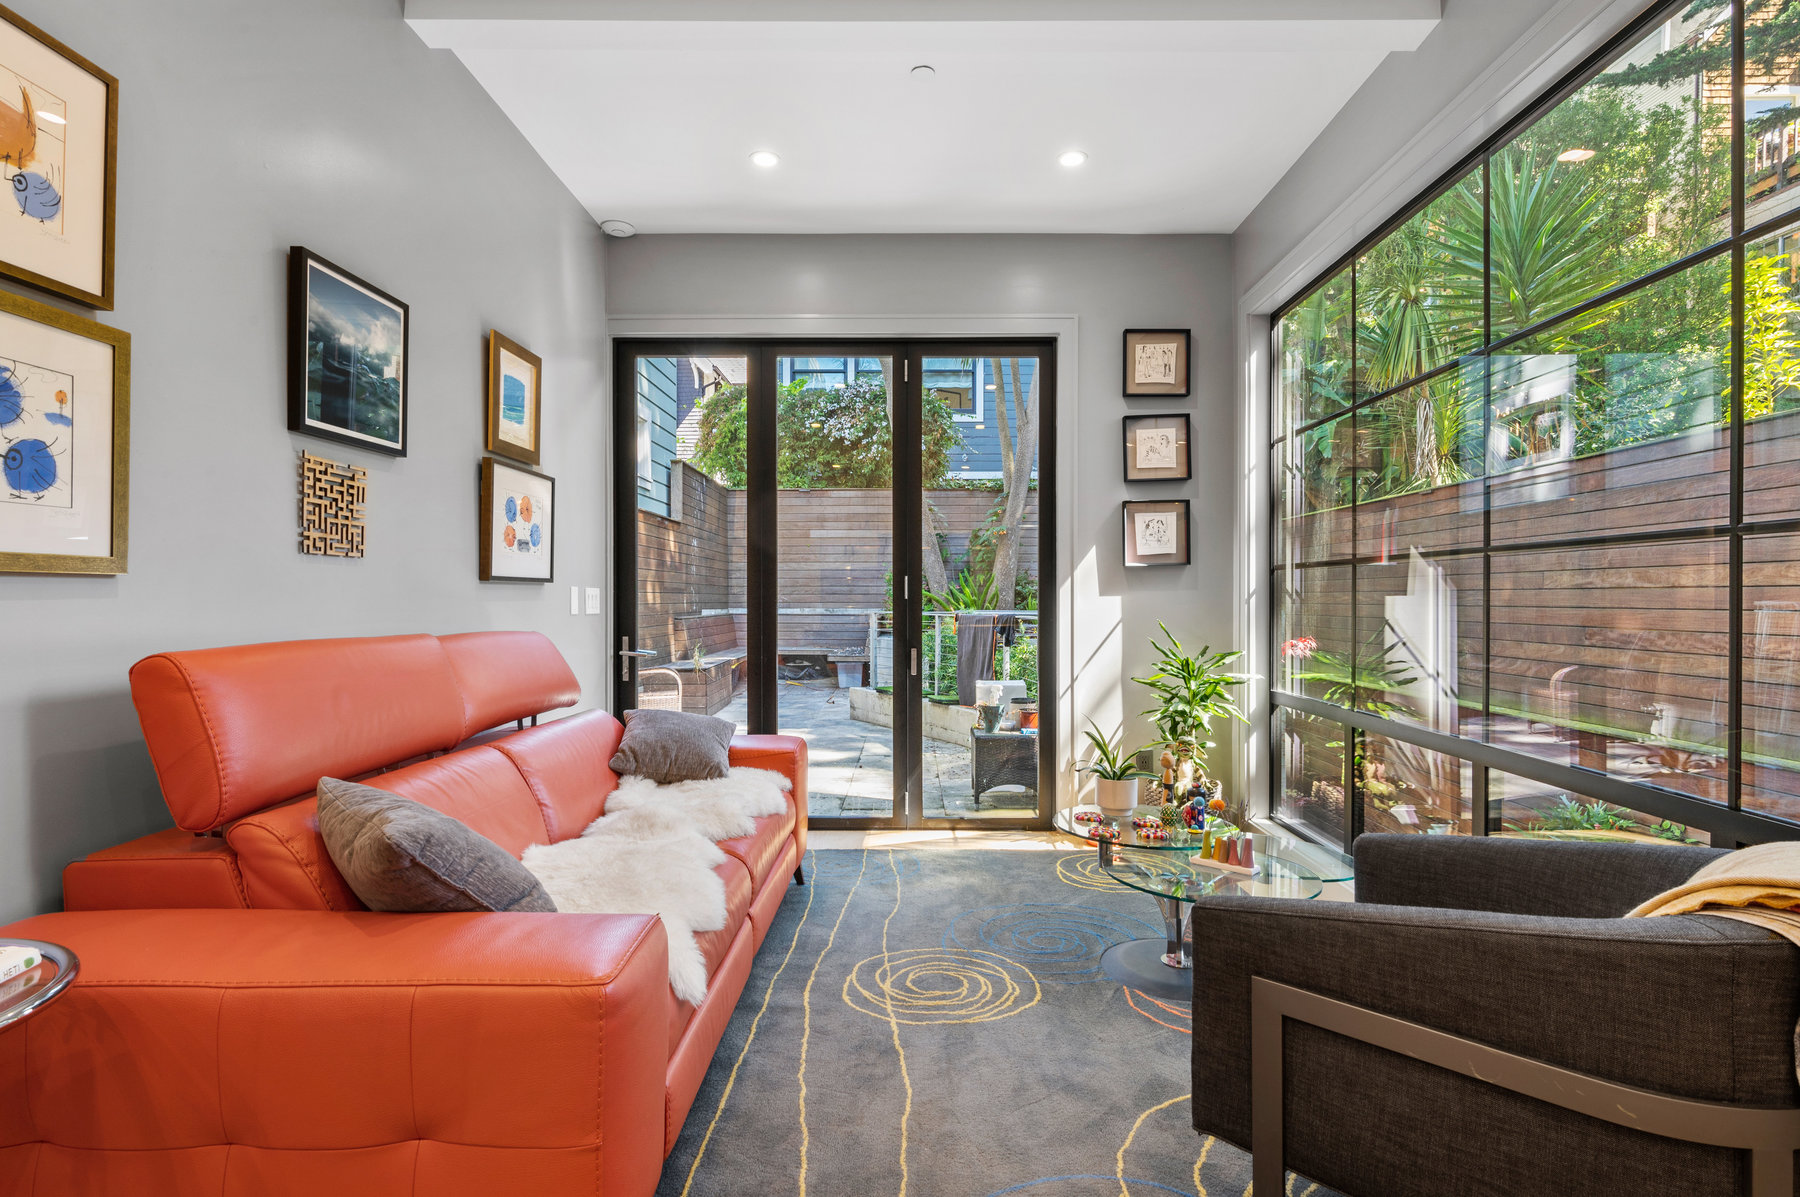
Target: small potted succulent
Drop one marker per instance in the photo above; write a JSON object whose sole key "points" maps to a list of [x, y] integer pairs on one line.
{"points": [[1115, 772]]}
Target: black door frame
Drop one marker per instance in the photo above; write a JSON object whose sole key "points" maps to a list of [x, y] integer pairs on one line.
{"points": [[762, 550]]}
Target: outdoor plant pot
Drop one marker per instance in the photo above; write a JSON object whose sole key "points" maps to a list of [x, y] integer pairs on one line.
{"points": [[1116, 797]]}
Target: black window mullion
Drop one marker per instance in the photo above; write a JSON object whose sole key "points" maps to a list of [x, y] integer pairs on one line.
{"points": [[761, 548], [1734, 731]]}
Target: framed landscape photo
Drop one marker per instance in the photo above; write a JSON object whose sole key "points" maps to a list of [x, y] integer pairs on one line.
{"points": [[347, 357], [515, 388], [1156, 362], [1156, 449], [59, 138], [65, 437], [1156, 532], [518, 524]]}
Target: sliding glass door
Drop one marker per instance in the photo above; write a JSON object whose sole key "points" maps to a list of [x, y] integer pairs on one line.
{"points": [[845, 542]]}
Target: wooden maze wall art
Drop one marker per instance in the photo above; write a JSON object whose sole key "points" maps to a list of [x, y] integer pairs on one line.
{"points": [[332, 496]]}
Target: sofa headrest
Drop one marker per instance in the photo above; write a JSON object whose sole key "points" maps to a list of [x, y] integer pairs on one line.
{"points": [[508, 675], [234, 730]]}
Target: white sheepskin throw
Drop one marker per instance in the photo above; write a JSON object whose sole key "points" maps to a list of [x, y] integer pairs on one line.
{"points": [[719, 808], [642, 863]]}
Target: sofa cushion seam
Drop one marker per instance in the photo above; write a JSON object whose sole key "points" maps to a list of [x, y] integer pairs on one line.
{"points": [[305, 868]]}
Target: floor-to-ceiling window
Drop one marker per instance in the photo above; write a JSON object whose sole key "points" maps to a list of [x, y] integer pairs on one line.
{"points": [[1537, 468]]}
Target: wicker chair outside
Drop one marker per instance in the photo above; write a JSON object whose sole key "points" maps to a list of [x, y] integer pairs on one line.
{"points": [[659, 690]]}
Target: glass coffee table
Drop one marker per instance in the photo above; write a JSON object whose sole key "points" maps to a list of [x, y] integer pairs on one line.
{"points": [[23, 995], [1176, 874]]}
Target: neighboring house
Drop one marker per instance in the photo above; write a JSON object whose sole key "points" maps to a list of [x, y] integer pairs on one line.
{"points": [[967, 386], [671, 392]]}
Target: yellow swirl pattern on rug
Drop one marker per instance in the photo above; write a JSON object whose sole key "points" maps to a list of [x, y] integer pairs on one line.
{"points": [[925, 987], [1083, 871]]}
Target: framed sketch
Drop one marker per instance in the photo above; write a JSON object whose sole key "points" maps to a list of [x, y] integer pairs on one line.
{"points": [[1156, 532], [514, 399], [59, 138], [347, 357], [1156, 361], [65, 436], [1156, 449], [518, 522]]}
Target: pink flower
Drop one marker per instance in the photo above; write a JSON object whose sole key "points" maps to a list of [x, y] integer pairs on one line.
{"points": [[1301, 647]]}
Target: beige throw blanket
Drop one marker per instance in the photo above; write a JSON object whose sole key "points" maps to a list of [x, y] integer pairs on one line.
{"points": [[1759, 885]]}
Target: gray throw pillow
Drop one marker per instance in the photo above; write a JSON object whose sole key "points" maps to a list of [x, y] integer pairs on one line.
{"points": [[403, 857], [672, 746]]}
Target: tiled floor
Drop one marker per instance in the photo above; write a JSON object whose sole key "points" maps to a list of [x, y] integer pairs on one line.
{"points": [[850, 770]]}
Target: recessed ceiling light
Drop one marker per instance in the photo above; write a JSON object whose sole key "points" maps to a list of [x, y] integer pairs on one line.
{"points": [[618, 228], [51, 118], [1072, 157], [923, 71], [765, 158], [1575, 155]]}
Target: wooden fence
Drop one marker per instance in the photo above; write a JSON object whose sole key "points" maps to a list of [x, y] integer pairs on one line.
{"points": [[835, 551], [1595, 649]]}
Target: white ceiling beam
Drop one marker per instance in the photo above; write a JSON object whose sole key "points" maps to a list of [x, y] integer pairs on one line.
{"points": [[422, 13]]}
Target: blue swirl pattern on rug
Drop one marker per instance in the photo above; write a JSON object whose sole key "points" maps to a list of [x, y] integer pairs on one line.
{"points": [[1058, 943]]}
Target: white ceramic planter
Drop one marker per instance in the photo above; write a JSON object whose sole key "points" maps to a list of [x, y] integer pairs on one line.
{"points": [[1116, 797]]}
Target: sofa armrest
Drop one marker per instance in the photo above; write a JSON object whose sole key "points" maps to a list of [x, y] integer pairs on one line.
{"points": [[1556, 878], [163, 870], [785, 755], [1693, 1006], [290, 1052]]}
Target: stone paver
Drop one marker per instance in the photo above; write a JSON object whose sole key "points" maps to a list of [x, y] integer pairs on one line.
{"points": [[850, 774]]}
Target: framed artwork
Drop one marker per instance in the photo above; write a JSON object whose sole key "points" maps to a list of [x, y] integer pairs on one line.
{"points": [[1156, 361], [59, 139], [1156, 532], [518, 523], [347, 357], [515, 396], [1156, 449], [65, 441]]}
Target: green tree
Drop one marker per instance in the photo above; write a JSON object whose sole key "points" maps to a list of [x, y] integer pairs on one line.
{"points": [[824, 437], [1771, 336]]}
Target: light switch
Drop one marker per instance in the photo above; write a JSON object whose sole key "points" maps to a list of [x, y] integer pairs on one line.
{"points": [[574, 600], [593, 600]]}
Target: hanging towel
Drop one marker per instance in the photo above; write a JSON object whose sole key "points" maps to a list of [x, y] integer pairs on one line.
{"points": [[974, 654]]}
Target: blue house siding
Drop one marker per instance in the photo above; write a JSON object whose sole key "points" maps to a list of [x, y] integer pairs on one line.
{"points": [[657, 404]]}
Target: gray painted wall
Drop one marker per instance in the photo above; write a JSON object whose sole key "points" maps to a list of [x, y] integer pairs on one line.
{"points": [[246, 128], [1109, 284]]}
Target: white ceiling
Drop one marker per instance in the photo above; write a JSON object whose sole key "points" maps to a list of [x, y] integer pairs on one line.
{"points": [[1187, 122]]}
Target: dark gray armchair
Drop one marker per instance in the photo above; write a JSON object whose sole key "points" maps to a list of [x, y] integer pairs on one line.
{"points": [[1507, 944]]}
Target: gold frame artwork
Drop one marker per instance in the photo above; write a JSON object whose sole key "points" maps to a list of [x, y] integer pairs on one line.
{"points": [[119, 510], [499, 343], [108, 199]]}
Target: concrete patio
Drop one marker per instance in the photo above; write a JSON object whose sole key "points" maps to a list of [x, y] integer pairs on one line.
{"points": [[850, 774]]}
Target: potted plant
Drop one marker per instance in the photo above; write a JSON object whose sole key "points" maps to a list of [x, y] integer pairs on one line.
{"points": [[1115, 772], [1192, 690]]}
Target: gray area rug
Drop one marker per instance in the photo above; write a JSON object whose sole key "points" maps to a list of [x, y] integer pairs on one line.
{"points": [[934, 1023]]}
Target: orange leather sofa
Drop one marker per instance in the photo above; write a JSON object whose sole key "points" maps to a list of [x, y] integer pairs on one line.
{"points": [[243, 1025]]}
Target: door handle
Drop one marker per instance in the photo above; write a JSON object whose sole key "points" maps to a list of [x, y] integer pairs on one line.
{"points": [[915, 662], [626, 653]]}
